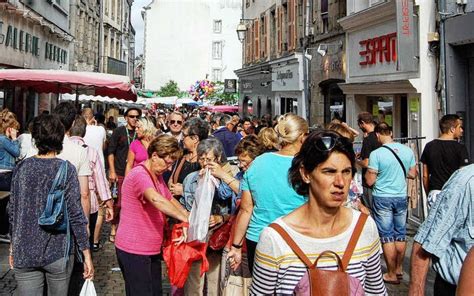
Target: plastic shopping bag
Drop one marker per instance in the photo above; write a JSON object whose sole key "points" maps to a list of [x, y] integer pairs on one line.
{"points": [[88, 289], [201, 210]]}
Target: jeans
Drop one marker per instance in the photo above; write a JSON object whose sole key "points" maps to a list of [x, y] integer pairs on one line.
{"points": [[30, 281], [251, 248], [390, 215], [5, 184], [141, 273]]}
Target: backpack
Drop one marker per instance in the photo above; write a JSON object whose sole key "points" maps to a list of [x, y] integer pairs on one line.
{"points": [[318, 282]]}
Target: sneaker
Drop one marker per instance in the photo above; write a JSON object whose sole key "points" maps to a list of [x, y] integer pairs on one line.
{"points": [[5, 238]]}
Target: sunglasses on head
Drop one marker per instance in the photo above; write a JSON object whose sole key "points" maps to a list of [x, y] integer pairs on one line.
{"points": [[176, 121], [326, 143]]}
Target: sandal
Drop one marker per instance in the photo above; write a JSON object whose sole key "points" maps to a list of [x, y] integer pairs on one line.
{"points": [[112, 238], [96, 247]]}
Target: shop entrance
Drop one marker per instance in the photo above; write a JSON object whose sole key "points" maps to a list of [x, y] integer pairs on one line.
{"points": [[392, 110], [288, 105], [334, 100]]}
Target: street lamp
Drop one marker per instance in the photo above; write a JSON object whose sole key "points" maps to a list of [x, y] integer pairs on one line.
{"points": [[241, 30]]}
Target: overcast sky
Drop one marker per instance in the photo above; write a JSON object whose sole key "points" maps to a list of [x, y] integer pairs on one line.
{"points": [[137, 23]]}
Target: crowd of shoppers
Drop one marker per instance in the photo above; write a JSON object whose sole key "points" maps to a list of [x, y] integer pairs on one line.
{"points": [[263, 172]]}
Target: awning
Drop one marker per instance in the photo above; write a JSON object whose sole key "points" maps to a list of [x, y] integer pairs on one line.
{"points": [[108, 100], [61, 81]]}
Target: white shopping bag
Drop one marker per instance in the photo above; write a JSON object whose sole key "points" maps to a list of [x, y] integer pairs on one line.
{"points": [[201, 210], [88, 289]]}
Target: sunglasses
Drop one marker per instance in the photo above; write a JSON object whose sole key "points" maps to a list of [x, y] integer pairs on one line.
{"points": [[133, 116], [176, 122], [326, 143]]}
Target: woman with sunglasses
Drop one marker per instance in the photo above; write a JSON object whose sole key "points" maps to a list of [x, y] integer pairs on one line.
{"points": [[210, 153], [137, 152], [322, 171], [266, 193], [145, 202]]}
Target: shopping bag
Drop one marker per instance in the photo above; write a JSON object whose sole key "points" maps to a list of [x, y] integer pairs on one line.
{"points": [[88, 289], [237, 286], [201, 210]]}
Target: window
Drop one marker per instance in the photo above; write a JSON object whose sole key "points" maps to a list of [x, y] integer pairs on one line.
{"points": [[216, 74], [217, 50], [324, 16], [217, 26]]}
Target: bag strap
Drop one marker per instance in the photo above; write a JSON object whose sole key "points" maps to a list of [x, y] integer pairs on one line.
{"points": [[399, 160], [149, 173], [60, 177], [353, 240], [296, 249], [178, 171]]}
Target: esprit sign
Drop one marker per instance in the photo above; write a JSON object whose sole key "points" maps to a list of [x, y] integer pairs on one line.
{"points": [[378, 50]]}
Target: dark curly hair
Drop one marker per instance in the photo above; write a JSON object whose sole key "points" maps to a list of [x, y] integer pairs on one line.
{"points": [[67, 113], [311, 155], [197, 127], [48, 133]]}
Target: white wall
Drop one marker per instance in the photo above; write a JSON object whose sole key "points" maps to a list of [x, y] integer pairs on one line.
{"points": [[179, 35]]}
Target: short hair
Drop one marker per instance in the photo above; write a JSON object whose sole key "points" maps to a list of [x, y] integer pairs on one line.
{"points": [[251, 146], [289, 128], [135, 109], [225, 119], [383, 129], [66, 111], [8, 119], [212, 145], [365, 117], [176, 113], [217, 117], [310, 156], [79, 127], [48, 133], [197, 127], [269, 138], [165, 145], [341, 129], [246, 119], [149, 126], [448, 122]]}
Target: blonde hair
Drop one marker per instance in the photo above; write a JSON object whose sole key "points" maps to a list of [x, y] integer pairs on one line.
{"points": [[341, 129], [149, 129], [8, 119], [269, 138], [289, 128]]}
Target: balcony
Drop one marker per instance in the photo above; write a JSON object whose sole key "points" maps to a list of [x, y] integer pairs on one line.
{"points": [[115, 66]]}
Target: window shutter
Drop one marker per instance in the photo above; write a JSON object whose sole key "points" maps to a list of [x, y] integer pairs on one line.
{"points": [[278, 29], [257, 40], [265, 30]]}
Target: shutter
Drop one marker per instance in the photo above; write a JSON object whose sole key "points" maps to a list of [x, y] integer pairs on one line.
{"points": [[257, 40], [291, 25], [265, 41], [278, 29]]}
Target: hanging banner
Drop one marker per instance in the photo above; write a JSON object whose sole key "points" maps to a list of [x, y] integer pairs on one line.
{"points": [[406, 61]]}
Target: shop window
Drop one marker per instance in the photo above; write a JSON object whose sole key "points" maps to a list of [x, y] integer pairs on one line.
{"points": [[381, 108], [247, 106], [288, 105]]}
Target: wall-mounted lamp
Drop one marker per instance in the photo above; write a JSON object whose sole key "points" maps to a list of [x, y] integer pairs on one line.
{"points": [[242, 29], [324, 48], [266, 83]]}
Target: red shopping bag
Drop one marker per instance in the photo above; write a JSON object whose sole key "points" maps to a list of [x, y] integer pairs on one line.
{"points": [[179, 258]]}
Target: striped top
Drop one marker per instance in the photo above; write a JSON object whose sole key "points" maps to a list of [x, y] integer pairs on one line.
{"points": [[278, 270]]}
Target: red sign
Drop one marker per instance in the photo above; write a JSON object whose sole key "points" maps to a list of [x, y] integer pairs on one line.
{"points": [[382, 49]]}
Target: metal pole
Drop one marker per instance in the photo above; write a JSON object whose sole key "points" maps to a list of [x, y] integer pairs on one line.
{"points": [[101, 36]]}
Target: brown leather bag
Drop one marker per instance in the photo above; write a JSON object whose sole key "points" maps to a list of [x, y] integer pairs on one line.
{"points": [[328, 282]]}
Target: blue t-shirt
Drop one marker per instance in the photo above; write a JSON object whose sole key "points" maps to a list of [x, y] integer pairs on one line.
{"points": [[272, 194], [391, 181]]}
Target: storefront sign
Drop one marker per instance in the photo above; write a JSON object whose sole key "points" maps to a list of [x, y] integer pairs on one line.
{"points": [[380, 49], [286, 78], [230, 86], [405, 36]]}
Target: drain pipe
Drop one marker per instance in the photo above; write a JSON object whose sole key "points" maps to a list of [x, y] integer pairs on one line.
{"points": [[442, 54]]}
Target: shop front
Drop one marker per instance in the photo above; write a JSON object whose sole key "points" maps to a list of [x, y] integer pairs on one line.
{"points": [[287, 85], [256, 96], [29, 41]]}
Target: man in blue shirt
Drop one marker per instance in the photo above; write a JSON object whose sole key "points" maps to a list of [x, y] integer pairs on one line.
{"points": [[388, 168], [446, 236]]}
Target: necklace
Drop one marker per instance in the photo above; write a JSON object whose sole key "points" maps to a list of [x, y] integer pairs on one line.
{"points": [[128, 136]]}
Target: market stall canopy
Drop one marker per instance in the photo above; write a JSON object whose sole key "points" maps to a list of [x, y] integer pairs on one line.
{"points": [[223, 108], [61, 81], [108, 100], [159, 100]]}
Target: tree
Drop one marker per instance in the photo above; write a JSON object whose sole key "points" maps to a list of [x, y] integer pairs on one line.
{"points": [[222, 98], [170, 89]]}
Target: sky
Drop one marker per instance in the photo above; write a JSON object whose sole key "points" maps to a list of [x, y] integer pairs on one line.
{"points": [[138, 24]]}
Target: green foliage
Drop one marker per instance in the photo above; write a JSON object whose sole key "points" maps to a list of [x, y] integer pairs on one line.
{"points": [[170, 89], [221, 98]]}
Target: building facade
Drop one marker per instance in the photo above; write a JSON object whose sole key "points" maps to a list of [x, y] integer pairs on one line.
{"points": [[84, 24], [118, 38], [273, 74], [457, 63], [33, 35], [186, 41]]}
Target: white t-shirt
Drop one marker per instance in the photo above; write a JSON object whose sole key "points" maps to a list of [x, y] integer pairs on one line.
{"points": [[27, 146], [95, 138], [77, 155]]}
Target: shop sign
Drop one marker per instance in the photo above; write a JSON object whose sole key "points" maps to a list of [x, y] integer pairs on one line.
{"points": [[230, 86], [405, 36], [380, 49], [286, 78], [27, 43]]}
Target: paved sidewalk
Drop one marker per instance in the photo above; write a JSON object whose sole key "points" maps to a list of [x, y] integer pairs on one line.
{"points": [[109, 282]]}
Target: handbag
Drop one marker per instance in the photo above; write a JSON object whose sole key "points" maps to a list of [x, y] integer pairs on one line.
{"points": [[237, 286], [55, 217], [221, 235], [318, 282]]}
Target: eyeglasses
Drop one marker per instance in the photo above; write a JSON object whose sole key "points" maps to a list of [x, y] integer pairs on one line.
{"points": [[133, 116], [207, 160], [176, 121], [326, 143]]}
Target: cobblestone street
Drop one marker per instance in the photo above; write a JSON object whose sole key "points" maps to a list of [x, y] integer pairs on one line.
{"points": [[109, 282]]}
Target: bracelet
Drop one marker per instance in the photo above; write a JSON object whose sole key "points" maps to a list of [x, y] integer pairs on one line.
{"points": [[237, 246]]}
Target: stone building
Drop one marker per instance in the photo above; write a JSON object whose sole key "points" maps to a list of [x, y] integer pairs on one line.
{"points": [[85, 22]]}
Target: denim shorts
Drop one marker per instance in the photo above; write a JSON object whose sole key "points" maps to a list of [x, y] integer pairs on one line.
{"points": [[390, 215]]}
